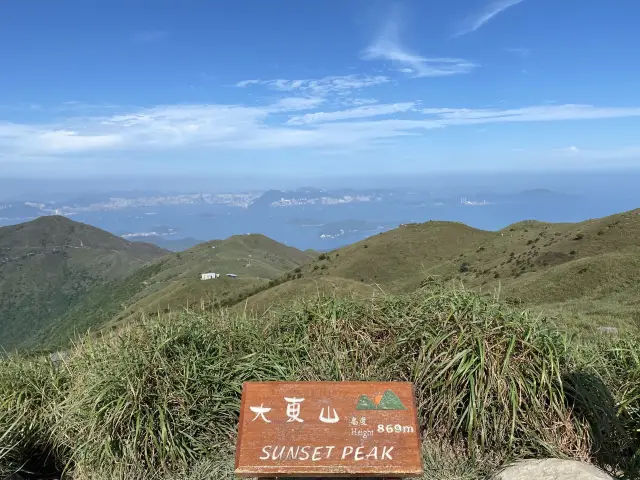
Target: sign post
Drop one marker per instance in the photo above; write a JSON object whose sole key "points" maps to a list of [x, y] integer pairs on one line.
{"points": [[328, 429]]}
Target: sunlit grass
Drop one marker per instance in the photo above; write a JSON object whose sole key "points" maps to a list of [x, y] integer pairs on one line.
{"points": [[161, 398]]}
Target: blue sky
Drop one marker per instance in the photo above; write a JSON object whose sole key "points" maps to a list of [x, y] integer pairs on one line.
{"points": [[318, 87]]}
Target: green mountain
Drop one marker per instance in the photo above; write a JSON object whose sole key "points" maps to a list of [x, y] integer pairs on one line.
{"points": [[174, 282], [586, 271], [74, 277], [50, 265], [60, 277], [390, 401], [365, 403]]}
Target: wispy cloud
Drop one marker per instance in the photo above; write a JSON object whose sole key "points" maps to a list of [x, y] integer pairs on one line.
{"points": [[388, 46], [477, 20], [338, 85], [290, 104], [150, 36], [248, 83], [211, 127], [543, 113], [359, 112]]}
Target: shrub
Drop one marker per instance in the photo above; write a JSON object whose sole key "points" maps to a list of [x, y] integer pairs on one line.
{"points": [[464, 267], [323, 256], [579, 236]]}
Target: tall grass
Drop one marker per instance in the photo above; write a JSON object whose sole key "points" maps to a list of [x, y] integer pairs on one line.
{"points": [[604, 387], [30, 392], [162, 396]]}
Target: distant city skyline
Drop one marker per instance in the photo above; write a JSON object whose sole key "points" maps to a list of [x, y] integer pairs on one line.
{"points": [[303, 89]]}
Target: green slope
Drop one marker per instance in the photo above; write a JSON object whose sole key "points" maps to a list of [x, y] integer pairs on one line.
{"points": [[173, 283], [303, 288], [398, 260], [49, 265], [580, 270]]}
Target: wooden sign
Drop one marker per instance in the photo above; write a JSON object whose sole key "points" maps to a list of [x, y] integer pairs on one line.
{"points": [[328, 429]]}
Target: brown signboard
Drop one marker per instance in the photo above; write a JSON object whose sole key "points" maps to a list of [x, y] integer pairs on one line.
{"points": [[329, 429]]}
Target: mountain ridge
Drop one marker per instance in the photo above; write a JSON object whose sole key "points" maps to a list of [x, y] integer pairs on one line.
{"points": [[547, 265], [47, 264]]}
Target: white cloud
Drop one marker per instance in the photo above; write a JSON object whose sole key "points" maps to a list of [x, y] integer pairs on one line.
{"points": [[474, 22], [359, 112], [207, 128], [359, 101], [296, 103], [387, 46], [544, 113], [70, 141], [338, 85], [247, 83]]}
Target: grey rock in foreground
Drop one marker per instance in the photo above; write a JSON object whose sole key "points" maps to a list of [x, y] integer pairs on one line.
{"points": [[551, 469]]}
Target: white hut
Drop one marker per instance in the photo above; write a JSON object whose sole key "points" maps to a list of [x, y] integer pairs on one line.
{"points": [[209, 276]]}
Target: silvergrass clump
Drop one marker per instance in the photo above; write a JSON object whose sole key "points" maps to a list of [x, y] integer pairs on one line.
{"points": [[30, 390], [483, 372], [163, 394], [604, 387]]}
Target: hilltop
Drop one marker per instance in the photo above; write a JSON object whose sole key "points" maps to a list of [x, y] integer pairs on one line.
{"points": [[50, 264], [161, 283], [175, 280], [581, 269]]}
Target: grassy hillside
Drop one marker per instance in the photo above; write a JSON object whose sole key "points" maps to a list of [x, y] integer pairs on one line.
{"points": [[173, 283], [256, 259], [586, 272], [583, 270], [289, 292], [49, 265], [399, 259]]}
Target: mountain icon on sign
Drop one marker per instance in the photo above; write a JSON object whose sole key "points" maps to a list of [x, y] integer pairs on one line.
{"points": [[387, 401]]}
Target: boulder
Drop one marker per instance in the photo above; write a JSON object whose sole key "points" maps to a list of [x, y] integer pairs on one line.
{"points": [[551, 469]]}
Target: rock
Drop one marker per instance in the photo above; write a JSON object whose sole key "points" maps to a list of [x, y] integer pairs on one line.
{"points": [[551, 469]]}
